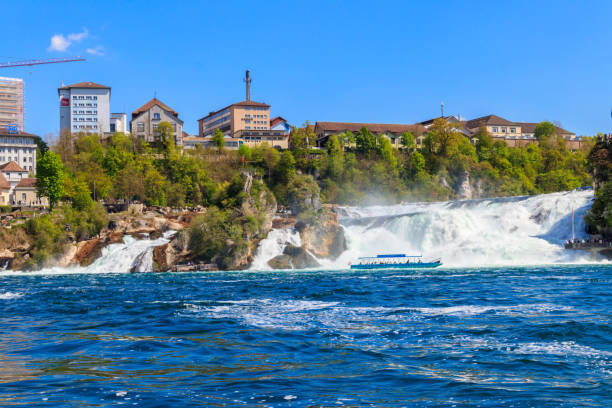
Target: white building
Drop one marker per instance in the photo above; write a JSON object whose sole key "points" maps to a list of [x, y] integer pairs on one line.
{"points": [[18, 147], [85, 107], [118, 123], [11, 103]]}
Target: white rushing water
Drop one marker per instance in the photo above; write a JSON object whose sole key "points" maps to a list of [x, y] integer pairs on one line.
{"points": [[116, 258], [501, 231]]}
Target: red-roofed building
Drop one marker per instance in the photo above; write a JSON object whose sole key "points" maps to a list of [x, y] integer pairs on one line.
{"points": [[146, 119]]}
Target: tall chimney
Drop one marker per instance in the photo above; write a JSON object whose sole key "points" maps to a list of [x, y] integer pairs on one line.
{"points": [[247, 79]]}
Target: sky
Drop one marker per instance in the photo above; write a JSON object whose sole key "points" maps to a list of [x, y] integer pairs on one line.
{"points": [[346, 61]]}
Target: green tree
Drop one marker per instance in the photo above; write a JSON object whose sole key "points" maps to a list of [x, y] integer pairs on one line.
{"points": [[386, 151], [408, 141], [245, 151], [165, 132], [218, 139], [366, 141], [50, 177], [286, 168]]}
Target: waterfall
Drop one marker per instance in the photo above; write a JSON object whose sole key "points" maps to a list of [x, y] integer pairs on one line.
{"points": [[525, 230], [116, 258]]}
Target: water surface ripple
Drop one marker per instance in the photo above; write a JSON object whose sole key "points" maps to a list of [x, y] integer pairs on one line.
{"points": [[518, 337]]}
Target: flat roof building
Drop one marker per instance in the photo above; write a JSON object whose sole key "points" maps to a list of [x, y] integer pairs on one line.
{"points": [[85, 107], [18, 147]]}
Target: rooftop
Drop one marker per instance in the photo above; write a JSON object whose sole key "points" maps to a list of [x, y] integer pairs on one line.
{"points": [[5, 132], [85, 85], [11, 166], [243, 103], [3, 183], [150, 104], [529, 127], [27, 183], [373, 127], [488, 120]]}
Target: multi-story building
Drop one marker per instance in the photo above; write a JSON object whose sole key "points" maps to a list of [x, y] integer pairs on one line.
{"points": [[146, 120], [18, 147], [85, 107], [5, 190], [13, 174], [245, 115], [11, 103]]}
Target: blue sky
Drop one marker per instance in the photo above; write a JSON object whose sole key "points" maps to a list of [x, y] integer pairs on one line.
{"points": [[389, 62]]}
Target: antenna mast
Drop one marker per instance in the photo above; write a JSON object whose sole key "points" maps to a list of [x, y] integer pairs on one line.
{"points": [[442, 108]]}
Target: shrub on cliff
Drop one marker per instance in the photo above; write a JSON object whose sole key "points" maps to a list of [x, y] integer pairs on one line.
{"points": [[303, 194], [48, 239], [210, 234], [599, 217]]}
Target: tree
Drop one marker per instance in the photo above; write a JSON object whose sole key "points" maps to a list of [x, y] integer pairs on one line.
{"points": [[408, 140], [165, 132], [545, 133], [386, 151], [286, 167], [218, 139], [442, 136], [244, 151], [50, 177], [366, 141], [335, 155]]}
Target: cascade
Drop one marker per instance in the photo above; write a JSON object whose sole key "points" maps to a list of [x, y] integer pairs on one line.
{"points": [[120, 257], [524, 230]]}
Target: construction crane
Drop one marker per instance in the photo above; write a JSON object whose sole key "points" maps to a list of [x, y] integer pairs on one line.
{"points": [[29, 63]]}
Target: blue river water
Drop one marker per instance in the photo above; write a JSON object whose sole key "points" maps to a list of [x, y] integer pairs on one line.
{"points": [[515, 337]]}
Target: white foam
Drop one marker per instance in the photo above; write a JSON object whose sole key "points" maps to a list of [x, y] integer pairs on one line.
{"points": [[115, 258], [10, 295]]}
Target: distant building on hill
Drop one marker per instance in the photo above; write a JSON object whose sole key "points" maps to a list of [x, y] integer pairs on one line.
{"points": [[324, 130], [19, 147], [247, 122], [118, 123], [11, 103], [146, 119], [85, 107]]}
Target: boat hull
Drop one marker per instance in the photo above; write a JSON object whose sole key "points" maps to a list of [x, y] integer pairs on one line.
{"points": [[411, 265]]}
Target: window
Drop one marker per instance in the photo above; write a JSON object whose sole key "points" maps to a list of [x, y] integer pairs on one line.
{"points": [[155, 126], [494, 129], [156, 116], [95, 98], [504, 129], [140, 127], [512, 130]]}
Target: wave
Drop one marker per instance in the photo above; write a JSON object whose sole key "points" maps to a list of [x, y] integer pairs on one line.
{"points": [[10, 295]]}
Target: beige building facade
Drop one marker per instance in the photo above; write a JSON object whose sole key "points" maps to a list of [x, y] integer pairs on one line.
{"points": [[146, 119], [11, 103], [25, 194], [245, 115]]}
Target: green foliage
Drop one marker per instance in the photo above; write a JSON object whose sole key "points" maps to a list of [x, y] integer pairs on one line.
{"points": [[50, 177], [218, 139], [599, 217], [408, 141], [209, 233], [245, 151], [285, 169]]}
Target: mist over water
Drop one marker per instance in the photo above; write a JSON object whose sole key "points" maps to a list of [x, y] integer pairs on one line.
{"points": [[527, 230]]}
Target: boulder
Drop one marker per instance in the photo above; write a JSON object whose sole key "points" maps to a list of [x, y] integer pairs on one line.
{"points": [[325, 237], [88, 251], [280, 262], [300, 258]]}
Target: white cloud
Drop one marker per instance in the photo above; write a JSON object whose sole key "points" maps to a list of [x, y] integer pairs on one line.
{"points": [[99, 50], [59, 42]]}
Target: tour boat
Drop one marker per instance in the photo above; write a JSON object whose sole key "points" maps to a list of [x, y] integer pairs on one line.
{"points": [[391, 261]]}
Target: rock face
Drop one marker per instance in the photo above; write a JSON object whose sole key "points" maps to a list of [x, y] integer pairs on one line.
{"points": [[324, 237], [293, 258], [464, 188], [88, 251]]}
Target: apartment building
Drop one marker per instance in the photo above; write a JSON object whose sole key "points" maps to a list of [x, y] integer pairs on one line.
{"points": [[11, 103], [146, 119], [85, 107], [19, 147], [245, 115]]}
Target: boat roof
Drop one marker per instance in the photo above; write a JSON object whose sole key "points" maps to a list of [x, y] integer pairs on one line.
{"points": [[391, 256]]}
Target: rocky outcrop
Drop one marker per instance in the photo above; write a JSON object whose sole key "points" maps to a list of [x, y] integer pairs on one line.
{"points": [[324, 237], [293, 258], [88, 251], [175, 252], [464, 187]]}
